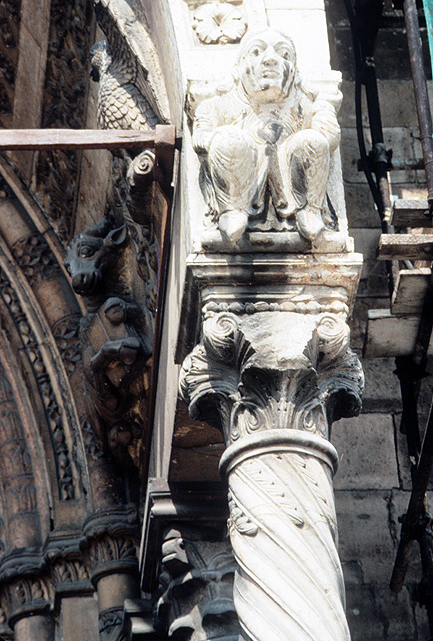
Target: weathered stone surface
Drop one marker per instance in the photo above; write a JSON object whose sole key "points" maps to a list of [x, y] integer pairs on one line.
{"points": [[360, 208], [365, 535], [355, 440], [399, 139], [358, 322], [374, 612], [394, 113], [382, 388]]}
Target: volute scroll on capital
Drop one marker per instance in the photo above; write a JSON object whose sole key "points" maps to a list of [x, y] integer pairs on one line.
{"points": [[267, 147], [272, 371]]}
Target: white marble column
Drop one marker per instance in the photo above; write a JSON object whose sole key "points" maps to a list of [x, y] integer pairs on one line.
{"points": [[277, 380]]}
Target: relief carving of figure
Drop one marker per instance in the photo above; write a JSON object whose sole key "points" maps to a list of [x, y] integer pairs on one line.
{"points": [[266, 144]]}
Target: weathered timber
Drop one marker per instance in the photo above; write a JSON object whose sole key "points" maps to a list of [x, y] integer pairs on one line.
{"points": [[406, 246], [411, 213], [389, 335], [46, 139], [409, 292]]}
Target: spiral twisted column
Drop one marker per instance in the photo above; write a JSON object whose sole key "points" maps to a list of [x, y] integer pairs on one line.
{"points": [[289, 583], [277, 381]]}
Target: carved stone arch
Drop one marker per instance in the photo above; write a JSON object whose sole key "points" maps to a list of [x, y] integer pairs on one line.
{"points": [[23, 471], [43, 316]]}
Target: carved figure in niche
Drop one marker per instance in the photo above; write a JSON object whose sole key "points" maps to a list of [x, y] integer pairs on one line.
{"points": [[266, 144], [113, 336]]}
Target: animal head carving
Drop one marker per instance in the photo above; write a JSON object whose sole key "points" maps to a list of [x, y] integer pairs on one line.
{"points": [[91, 256]]}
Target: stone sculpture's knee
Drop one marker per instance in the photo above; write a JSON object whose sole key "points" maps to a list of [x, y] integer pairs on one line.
{"points": [[229, 143], [312, 142]]}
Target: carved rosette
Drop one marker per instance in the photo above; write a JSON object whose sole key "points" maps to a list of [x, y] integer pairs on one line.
{"points": [[219, 23], [274, 382]]}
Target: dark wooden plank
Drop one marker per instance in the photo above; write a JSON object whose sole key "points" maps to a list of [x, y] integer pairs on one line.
{"points": [[406, 246], [390, 336], [411, 213], [409, 292], [34, 139]]}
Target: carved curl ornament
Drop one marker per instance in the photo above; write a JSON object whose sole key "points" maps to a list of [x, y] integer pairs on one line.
{"points": [[250, 370], [219, 23]]}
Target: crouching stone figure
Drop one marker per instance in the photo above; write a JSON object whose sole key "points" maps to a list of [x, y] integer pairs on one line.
{"points": [[266, 143]]}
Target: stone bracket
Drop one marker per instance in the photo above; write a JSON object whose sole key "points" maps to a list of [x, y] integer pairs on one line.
{"points": [[262, 282]]}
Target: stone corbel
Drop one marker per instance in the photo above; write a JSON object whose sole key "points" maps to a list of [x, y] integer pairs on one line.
{"points": [[274, 381]]}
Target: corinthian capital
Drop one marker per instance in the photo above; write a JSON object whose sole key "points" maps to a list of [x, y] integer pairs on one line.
{"points": [[267, 370]]}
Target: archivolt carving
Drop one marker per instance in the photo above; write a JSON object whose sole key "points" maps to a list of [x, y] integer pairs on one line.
{"points": [[36, 259], [16, 464], [219, 23], [54, 416], [65, 78]]}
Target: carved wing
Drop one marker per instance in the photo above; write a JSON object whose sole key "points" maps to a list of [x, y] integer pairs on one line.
{"points": [[130, 41]]}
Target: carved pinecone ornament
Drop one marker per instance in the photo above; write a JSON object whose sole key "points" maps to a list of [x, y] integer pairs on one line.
{"points": [[121, 105]]}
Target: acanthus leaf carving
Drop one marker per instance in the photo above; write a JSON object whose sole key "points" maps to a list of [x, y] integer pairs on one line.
{"points": [[196, 587]]}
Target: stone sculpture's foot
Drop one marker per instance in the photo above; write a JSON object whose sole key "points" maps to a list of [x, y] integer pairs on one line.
{"points": [[232, 224], [310, 222]]}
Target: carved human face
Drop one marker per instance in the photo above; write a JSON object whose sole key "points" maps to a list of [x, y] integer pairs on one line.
{"points": [[267, 66]]}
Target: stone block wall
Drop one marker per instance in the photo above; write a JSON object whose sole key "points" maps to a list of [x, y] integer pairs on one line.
{"points": [[373, 481]]}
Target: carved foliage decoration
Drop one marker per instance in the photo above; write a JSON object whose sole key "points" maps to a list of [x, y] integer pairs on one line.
{"points": [[111, 624], [254, 374], [36, 259], [110, 542], [219, 23]]}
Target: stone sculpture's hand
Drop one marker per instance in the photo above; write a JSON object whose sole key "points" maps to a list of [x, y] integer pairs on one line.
{"points": [[271, 132]]}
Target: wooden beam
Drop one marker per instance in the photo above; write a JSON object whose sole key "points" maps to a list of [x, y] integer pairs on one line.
{"points": [[409, 292], [406, 246], [47, 139], [390, 336], [411, 213]]}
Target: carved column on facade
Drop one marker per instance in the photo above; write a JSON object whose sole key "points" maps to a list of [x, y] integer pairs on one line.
{"points": [[275, 280], [110, 542], [276, 380]]}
